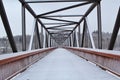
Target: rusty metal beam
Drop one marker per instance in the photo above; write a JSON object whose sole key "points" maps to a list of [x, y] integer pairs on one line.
{"points": [[101, 58]]}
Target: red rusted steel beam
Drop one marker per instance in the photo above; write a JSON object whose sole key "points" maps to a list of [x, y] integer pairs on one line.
{"points": [[113, 56], [106, 60], [12, 59], [10, 67]]}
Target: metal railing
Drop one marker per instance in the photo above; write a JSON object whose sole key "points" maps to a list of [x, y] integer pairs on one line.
{"points": [[105, 60], [9, 67]]}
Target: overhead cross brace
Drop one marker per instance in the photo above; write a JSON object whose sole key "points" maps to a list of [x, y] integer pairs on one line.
{"points": [[33, 13], [62, 9], [58, 19], [63, 16], [86, 14], [53, 1], [61, 25]]}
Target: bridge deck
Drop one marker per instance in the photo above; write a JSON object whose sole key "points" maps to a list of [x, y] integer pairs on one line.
{"points": [[63, 65]]}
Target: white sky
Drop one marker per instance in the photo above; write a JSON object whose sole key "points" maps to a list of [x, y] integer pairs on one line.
{"points": [[13, 9]]}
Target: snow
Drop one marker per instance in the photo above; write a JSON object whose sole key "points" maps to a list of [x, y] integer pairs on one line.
{"points": [[61, 64]]}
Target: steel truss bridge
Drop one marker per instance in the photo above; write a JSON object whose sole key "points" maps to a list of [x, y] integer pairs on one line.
{"points": [[59, 29]]}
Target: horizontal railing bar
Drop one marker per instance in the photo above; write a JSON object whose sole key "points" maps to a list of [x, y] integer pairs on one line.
{"points": [[14, 58], [107, 60], [11, 66], [104, 54]]}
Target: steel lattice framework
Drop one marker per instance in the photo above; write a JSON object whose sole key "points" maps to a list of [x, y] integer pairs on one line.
{"points": [[59, 25], [61, 31]]}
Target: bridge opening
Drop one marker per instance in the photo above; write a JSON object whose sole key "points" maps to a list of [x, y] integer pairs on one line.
{"points": [[64, 25]]}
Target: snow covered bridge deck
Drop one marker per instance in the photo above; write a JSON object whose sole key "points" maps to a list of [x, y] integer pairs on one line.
{"points": [[61, 64]]}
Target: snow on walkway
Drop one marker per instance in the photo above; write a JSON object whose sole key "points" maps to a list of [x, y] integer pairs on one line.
{"points": [[63, 65]]}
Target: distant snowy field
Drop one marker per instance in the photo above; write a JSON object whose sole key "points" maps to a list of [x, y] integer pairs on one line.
{"points": [[64, 65]]}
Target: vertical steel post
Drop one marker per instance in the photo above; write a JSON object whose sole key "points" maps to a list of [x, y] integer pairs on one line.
{"points": [[23, 29], [76, 39], [35, 39], [73, 38], [83, 34], [70, 41], [79, 36], [115, 31], [46, 39], [86, 35], [7, 27], [50, 41], [42, 36], [99, 26]]}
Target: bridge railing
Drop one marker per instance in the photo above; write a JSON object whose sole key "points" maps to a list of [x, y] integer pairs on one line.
{"points": [[107, 60], [11, 66]]}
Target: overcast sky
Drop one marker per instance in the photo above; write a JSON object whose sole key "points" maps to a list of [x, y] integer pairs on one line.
{"points": [[13, 9]]}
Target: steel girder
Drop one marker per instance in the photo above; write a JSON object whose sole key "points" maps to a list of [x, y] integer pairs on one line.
{"points": [[115, 32], [63, 22]]}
